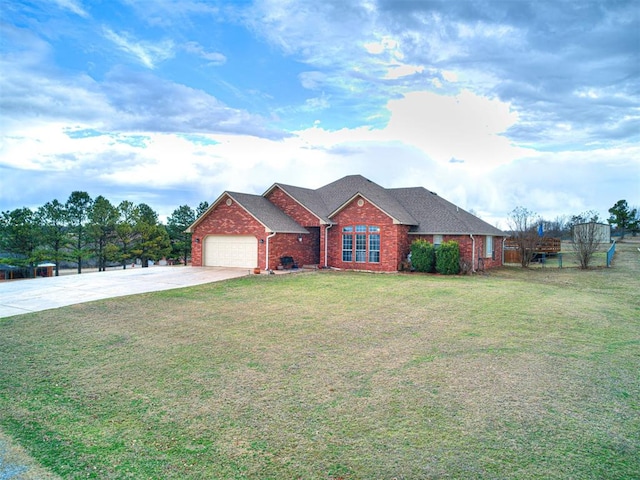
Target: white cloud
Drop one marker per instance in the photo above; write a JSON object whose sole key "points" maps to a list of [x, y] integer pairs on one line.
{"points": [[312, 80], [399, 71], [466, 126], [214, 58], [450, 76], [72, 6], [146, 52], [385, 44]]}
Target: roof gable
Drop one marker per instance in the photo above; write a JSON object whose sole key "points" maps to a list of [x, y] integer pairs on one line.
{"points": [[361, 196], [305, 197], [266, 213], [337, 194]]}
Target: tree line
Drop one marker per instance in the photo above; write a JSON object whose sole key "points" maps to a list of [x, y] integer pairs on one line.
{"points": [[86, 230]]}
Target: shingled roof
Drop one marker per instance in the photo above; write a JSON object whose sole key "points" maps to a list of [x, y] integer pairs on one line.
{"points": [[328, 200], [337, 194], [423, 210], [435, 215], [273, 219], [309, 199]]}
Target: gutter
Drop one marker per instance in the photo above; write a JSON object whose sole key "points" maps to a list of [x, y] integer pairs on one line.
{"points": [[473, 253], [326, 245], [266, 268]]}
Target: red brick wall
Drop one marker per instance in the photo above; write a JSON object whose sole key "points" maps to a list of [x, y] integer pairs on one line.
{"points": [[287, 244], [292, 208], [404, 243], [226, 220], [466, 248], [489, 262], [311, 250], [392, 239]]}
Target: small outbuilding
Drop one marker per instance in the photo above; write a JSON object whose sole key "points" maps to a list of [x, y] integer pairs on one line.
{"points": [[601, 231], [45, 269], [9, 272]]}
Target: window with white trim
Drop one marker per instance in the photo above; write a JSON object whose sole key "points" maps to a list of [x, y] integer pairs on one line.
{"points": [[374, 248], [361, 243], [488, 246], [347, 244], [437, 240]]}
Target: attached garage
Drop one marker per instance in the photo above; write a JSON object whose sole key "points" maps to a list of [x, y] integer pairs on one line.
{"points": [[231, 251], [243, 231]]}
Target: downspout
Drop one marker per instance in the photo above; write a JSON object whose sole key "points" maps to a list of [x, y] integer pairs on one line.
{"points": [[266, 268], [504, 239], [473, 253], [326, 245]]}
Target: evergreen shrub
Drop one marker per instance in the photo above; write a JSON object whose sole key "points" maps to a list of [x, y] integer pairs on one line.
{"points": [[448, 258], [423, 256]]}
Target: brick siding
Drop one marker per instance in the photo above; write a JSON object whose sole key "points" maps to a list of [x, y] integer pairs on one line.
{"points": [[392, 237], [292, 208], [226, 220], [466, 249], [311, 251], [287, 244], [395, 242]]}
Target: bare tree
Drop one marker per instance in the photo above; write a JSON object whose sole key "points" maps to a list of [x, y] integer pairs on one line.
{"points": [[586, 241], [558, 227], [522, 223]]}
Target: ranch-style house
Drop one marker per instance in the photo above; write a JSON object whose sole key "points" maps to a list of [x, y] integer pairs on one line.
{"points": [[350, 224]]}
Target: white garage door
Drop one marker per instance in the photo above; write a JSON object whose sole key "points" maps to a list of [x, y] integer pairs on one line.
{"points": [[231, 251]]}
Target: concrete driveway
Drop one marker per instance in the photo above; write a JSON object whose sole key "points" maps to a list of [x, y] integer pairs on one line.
{"points": [[33, 295]]}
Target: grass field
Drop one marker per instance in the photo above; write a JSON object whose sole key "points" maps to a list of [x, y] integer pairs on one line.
{"points": [[515, 374]]}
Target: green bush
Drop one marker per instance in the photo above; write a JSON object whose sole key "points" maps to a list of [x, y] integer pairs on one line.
{"points": [[423, 256], [448, 258]]}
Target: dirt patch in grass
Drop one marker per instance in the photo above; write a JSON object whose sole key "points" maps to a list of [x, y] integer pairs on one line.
{"points": [[514, 374]]}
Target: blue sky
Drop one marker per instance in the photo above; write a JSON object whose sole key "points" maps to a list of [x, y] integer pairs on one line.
{"points": [[491, 104]]}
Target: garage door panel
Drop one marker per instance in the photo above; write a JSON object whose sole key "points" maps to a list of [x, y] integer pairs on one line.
{"points": [[231, 251]]}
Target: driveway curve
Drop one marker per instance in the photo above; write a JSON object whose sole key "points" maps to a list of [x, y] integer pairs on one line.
{"points": [[34, 295]]}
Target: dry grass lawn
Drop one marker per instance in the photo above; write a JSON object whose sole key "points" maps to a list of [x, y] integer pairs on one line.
{"points": [[515, 374]]}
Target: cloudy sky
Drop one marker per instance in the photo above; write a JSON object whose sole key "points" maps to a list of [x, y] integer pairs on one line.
{"points": [[491, 104]]}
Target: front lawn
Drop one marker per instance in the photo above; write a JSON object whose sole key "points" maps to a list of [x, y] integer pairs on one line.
{"points": [[516, 374]]}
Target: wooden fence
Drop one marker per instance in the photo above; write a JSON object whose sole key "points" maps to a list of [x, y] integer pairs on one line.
{"points": [[546, 245]]}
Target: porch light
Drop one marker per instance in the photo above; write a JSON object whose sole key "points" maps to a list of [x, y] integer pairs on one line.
{"points": [[300, 238], [261, 241], [197, 240]]}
